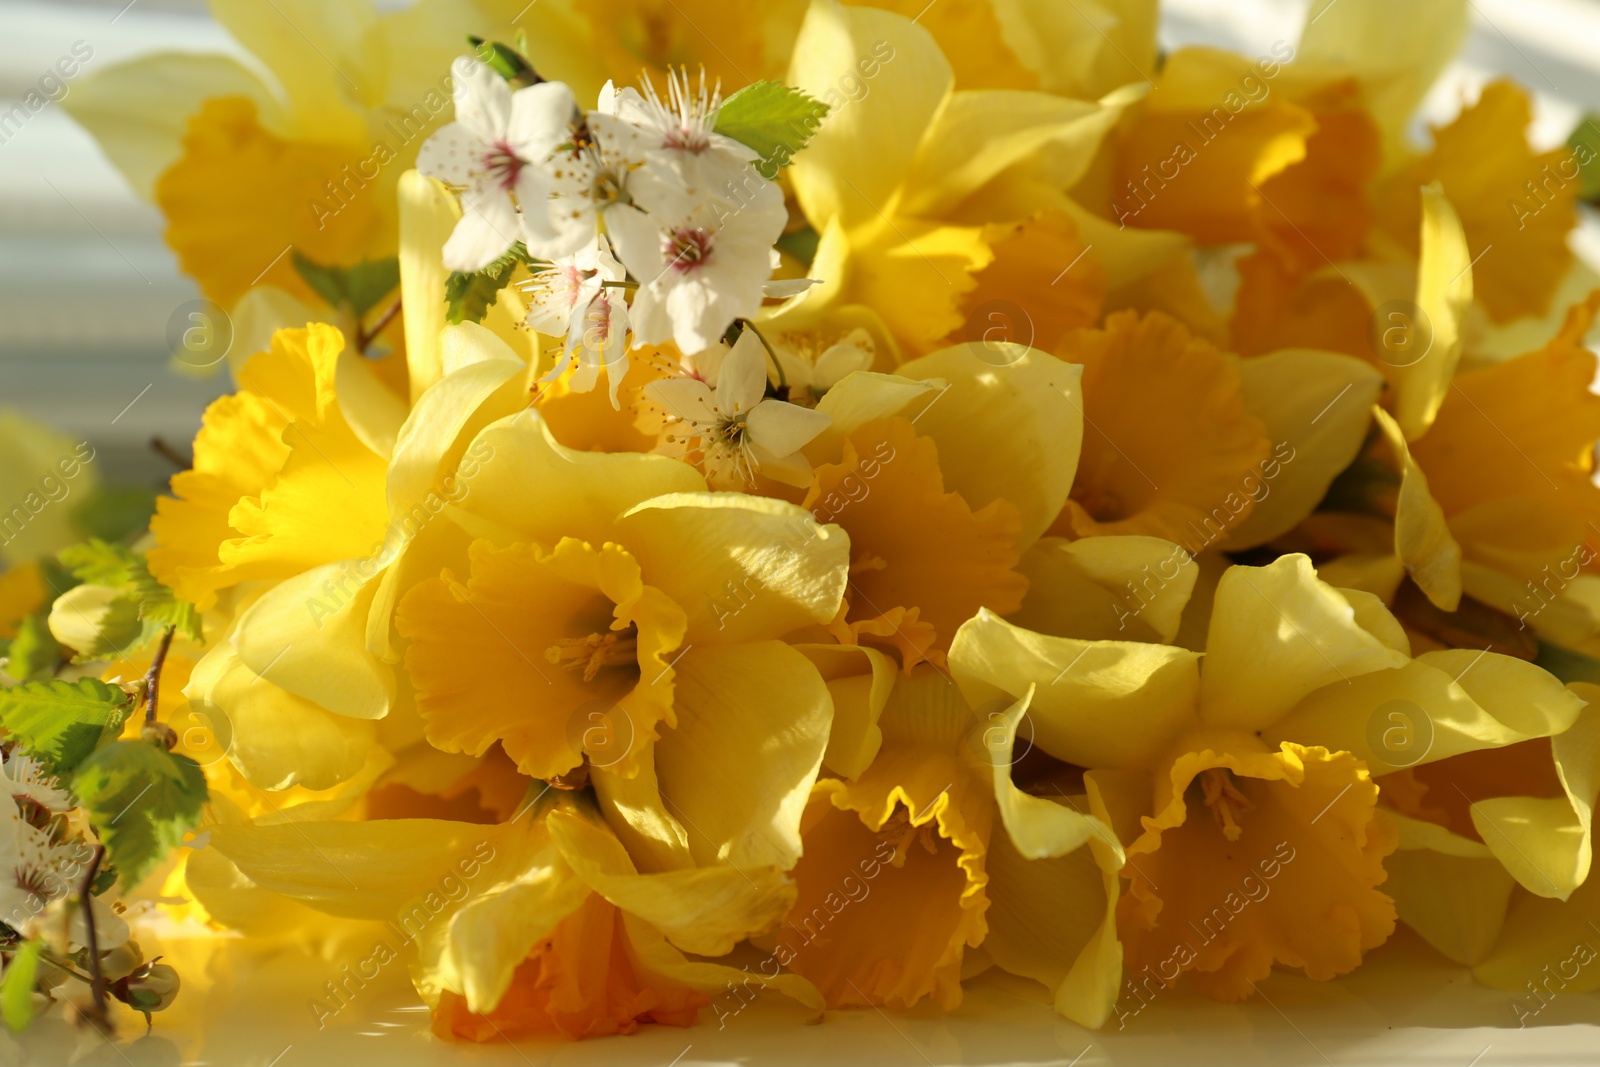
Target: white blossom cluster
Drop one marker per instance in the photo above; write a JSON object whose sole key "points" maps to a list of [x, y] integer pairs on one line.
{"points": [[640, 195]]}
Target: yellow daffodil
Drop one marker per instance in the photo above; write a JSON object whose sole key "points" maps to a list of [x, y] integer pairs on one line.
{"points": [[923, 848], [245, 167], [985, 438], [1188, 444], [1264, 740], [537, 925], [953, 179]]}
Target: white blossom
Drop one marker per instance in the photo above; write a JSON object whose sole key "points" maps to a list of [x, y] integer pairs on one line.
{"points": [[497, 153], [730, 425]]}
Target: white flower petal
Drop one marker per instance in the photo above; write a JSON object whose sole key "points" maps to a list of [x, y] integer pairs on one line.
{"points": [[742, 379], [454, 155], [784, 429], [541, 118], [686, 398], [483, 100], [487, 228]]}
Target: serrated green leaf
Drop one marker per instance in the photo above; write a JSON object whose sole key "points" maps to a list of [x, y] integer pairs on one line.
{"points": [[112, 513], [141, 800], [358, 288], [470, 296], [16, 986], [97, 562], [774, 119], [150, 606], [34, 652], [62, 723]]}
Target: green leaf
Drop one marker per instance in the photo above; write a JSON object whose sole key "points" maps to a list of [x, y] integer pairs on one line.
{"points": [[16, 986], [61, 723], [97, 562], [141, 800], [801, 244], [1566, 664], [112, 513], [505, 61], [358, 288], [774, 119], [33, 652], [1585, 144], [147, 607], [470, 296]]}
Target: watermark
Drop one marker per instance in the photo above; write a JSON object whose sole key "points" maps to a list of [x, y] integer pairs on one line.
{"points": [[451, 888], [992, 325], [1401, 332], [54, 486], [199, 334], [1253, 88], [408, 125], [1544, 189], [1254, 487], [1251, 890], [49, 88], [594, 729], [1552, 582], [1399, 734], [798, 932], [1551, 981]]}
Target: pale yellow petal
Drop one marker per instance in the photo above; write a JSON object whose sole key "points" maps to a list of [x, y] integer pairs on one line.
{"points": [[1115, 588], [1449, 889], [308, 635], [1003, 400], [1444, 291], [1318, 405], [852, 170], [1279, 633], [1095, 703], [428, 214], [744, 568], [704, 910]]}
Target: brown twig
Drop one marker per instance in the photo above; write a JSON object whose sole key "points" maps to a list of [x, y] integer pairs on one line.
{"points": [[172, 455], [97, 978], [365, 336], [152, 677]]}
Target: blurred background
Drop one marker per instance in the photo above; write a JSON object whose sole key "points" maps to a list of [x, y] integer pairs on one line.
{"points": [[87, 287]]}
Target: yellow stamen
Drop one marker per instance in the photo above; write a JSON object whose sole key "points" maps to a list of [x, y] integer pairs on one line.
{"points": [[591, 653], [1225, 800]]}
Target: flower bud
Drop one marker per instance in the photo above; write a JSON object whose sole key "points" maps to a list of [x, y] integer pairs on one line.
{"points": [[159, 733], [121, 961], [153, 987]]}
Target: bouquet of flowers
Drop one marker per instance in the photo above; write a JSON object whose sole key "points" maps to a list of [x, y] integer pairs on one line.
{"points": [[877, 496]]}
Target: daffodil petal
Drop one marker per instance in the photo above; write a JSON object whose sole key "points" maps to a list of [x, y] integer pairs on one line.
{"points": [[744, 568], [833, 178], [704, 910], [1450, 890], [1441, 704], [859, 680], [308, 635], [428, 215], [1004, 400], [1277, 634], [1096, 703], [1318, 405], [1129, 588], [542, 491], [278, 739]]}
